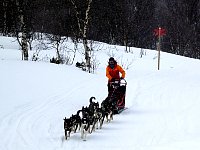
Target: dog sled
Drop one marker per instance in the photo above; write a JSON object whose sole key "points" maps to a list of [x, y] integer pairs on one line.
{"points": [[116, 95]]}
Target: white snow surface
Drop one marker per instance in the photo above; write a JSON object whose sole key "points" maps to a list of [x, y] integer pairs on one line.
{"points": [[163, 105]]}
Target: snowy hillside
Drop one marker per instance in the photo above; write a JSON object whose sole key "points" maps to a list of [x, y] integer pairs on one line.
{"points": [[163, 106]]}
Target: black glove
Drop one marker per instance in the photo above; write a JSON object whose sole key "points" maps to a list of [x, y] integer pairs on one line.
{"points": [[112, 80]]}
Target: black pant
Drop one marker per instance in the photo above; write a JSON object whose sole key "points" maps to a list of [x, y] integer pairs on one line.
{"points": [[110, 88]]}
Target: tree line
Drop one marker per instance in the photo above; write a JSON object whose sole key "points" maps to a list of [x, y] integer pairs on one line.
{"points": [[120, 22]]}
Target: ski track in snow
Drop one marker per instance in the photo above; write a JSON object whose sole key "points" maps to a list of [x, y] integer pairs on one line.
{"points": [[162, 109], [22, 124]]}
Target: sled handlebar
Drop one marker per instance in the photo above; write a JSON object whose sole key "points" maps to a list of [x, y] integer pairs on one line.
{"points": [[119, 82]]}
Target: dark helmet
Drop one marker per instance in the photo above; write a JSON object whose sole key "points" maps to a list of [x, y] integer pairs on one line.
{"points": [[111, 59]]}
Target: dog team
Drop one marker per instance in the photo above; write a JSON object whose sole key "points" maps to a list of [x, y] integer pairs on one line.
{"points": [[90, 118]]}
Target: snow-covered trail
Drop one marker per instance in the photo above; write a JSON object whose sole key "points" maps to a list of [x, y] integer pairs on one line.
{"points": [[156, 114], [36, 122], [163, 106], [166, 107]]}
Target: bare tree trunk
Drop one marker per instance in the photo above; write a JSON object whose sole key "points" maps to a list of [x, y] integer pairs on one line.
{"points": [[85, 42], [83, 31], [24, 41], [87, 54], [24, 44], [57, 48], [75, 49], [126, 43], [5, 18]]}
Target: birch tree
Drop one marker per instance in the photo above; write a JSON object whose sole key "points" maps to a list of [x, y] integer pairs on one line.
{"points": [[22, 32], [83, 24]]}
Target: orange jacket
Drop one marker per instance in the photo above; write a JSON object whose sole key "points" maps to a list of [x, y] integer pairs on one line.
{"points": [[114, 73]]}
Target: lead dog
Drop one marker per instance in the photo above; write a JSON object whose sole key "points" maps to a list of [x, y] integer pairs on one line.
{"points": [[68, 126]]}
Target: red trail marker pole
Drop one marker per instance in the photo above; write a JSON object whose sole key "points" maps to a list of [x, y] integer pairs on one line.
{"points": [[159, 32]]}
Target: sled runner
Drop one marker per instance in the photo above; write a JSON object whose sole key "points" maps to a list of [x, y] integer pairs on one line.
{"points": [[117, 95], [121, 110]]}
